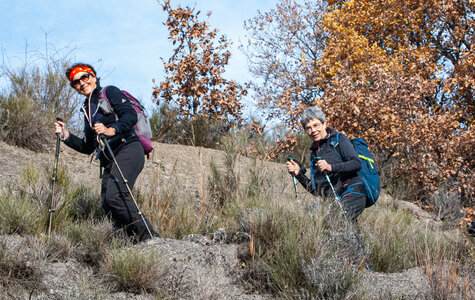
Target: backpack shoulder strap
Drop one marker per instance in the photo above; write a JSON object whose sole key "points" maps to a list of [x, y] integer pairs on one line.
{"points": [[312, 163], [103, 94], [335, 142], [104, 103]]}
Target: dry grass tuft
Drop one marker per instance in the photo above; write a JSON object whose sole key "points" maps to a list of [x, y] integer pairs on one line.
{"points": [[21, 264], [132, 270]]}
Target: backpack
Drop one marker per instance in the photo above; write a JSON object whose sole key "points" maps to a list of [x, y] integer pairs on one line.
{"points": [[142, 128], [368, 171]]}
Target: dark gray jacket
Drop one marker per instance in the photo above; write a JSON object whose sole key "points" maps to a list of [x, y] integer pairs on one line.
{"points": [[344, 169]]}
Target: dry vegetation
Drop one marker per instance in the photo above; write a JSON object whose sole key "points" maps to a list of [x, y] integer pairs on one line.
{"points": [[288, 249], [237, 232]]}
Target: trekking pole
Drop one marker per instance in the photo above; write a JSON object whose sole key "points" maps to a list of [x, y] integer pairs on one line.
{"points": [[331, 185], [295, 181], [54, 178], [139, 212]]}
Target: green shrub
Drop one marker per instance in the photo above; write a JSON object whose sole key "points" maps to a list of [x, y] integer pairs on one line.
{"points": [[163, 122], [26, 205], [85, 203], [223, 188], [78, 203], [70, 203], [36, 184], [58, 247], [182, 219], [199, 131], [133, 270], [91, 240], [305, 255], [22, 123], [388, 233], [36, 95], [18, 215], [397, 241], [173, 213]]}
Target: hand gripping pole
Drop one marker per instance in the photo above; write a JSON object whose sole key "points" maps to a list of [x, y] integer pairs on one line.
{"points": [[331, 185], [295, 182]]}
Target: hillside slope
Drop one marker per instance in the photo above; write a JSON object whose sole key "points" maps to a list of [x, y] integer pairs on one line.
{"points": [[195, 267], [188, 166]]}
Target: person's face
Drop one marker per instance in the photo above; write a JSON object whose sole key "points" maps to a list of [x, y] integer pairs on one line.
{"points": [[85, 83], [316, 130]]}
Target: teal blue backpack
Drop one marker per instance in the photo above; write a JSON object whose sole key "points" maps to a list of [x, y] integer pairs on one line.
{"points": [[368, 171]]}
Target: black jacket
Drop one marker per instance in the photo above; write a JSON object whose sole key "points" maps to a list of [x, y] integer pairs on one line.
{"points": [[127, 118], [344, 169]]}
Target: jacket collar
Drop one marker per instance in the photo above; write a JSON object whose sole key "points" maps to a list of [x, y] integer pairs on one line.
{"points": [[97, 90], [316, 145]]}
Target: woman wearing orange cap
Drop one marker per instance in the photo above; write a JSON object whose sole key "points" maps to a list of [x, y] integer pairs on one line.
{"points": [[118, 129]]}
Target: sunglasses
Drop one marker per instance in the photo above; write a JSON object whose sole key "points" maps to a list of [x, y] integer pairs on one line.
{"points": [[83, 78]]}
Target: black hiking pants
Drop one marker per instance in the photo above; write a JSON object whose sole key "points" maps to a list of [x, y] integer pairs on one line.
{"points": [[116, 201], [354, 202]]}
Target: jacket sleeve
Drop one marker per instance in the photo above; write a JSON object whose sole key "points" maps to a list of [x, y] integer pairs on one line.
{"points": [[86, 144], [306, 182], [127, 117], [351, 162]]}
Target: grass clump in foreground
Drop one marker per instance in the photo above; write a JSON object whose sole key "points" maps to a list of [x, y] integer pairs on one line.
{"points": [[91, 240], [298, 253], [132, 270], [21, 264], [25, 206], [18, 215], [398, 241]]}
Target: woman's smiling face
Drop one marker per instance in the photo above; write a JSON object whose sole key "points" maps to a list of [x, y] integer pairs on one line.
{"points": [[316, 130], [84, 83]]}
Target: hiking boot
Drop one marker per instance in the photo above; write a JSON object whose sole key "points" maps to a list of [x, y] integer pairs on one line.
{"points": [[471, 228], [369, 265], [145, 237]]}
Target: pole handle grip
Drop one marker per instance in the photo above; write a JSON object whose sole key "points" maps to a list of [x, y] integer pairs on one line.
{"points": [[58, 135], [290, 158], [60, 120]]}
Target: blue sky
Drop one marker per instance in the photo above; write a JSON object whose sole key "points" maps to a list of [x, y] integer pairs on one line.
{"points": [[123, 39]]}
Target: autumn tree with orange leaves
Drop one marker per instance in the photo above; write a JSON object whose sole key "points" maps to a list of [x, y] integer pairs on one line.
{"points": [[398, 73], [194, 84]]}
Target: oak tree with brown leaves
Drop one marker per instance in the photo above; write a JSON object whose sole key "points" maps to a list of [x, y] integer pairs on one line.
{"points": [[194, 84]]}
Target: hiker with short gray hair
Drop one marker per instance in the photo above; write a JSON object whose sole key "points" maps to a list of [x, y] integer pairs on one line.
{"points": [[331, 173], [116, 131]]}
